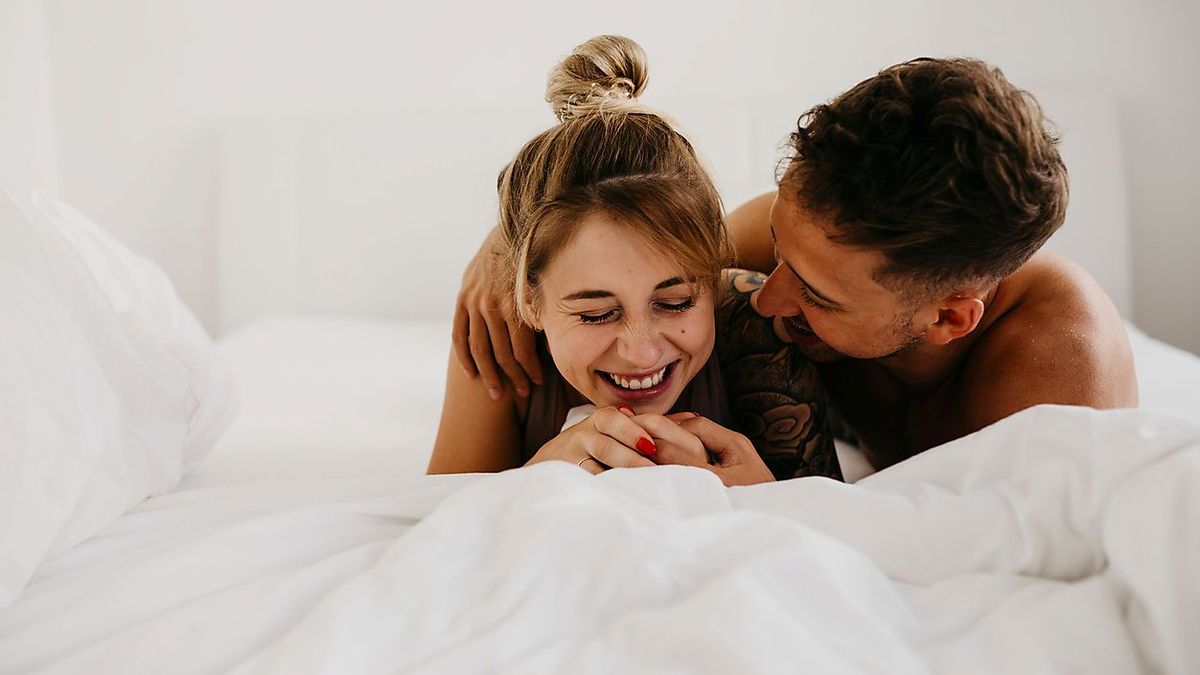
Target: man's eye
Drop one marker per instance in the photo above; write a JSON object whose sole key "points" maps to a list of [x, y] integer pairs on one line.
{"points": [[807, 299], [603, 317]]}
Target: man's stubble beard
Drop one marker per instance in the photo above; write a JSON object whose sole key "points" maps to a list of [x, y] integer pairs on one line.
{"points": [[903, 341]]}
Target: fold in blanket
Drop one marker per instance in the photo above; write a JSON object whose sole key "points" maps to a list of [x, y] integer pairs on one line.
{"points": [[1059, 540]]}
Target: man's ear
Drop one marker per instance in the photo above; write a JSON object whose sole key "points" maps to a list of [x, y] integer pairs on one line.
{"points": [[956, 316]]}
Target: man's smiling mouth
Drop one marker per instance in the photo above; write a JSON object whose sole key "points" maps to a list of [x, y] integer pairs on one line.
{"points": [[799, 325], [797, 328]]}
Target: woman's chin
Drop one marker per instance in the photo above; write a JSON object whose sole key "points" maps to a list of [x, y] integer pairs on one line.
{"points": [[656, 407]]}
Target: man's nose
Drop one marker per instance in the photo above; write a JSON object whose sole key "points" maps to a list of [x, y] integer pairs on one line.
{"points": [[641, 346], [778, 296]]}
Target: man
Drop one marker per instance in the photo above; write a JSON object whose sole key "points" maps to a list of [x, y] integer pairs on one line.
{"points": [[904, 241]]}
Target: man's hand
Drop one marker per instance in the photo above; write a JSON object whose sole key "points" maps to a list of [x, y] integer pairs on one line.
{"points": [[736, 460], [487, 331]]}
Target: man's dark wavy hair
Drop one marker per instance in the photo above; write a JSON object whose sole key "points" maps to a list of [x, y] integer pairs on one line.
{"points": [[941, 164]]}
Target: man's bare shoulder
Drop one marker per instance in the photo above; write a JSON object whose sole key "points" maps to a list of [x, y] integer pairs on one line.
{"points": [[1059, 339]]}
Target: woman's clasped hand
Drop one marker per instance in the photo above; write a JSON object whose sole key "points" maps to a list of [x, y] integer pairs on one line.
{"points": [[618, 437]]}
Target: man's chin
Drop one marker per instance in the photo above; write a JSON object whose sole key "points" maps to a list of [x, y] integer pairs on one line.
{"points": [[819, 352]]}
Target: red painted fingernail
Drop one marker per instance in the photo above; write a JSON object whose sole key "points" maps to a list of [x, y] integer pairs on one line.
{"points": [[625, 407], [646, 446]]}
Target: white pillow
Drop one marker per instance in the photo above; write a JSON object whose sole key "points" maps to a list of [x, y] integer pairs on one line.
{"points": [[109, 387]]}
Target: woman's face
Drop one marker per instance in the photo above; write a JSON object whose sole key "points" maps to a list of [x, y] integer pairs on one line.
{"points": [[621, 323]]}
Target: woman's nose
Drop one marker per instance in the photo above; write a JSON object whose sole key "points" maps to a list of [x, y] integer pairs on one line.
{"points": [[641, 347]]}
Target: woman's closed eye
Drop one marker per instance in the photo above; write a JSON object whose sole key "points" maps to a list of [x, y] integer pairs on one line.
{"points": [[606, 316], [680, 305], [598, 317]]}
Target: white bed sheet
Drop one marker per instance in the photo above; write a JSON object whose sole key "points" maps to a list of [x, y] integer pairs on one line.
{"points": [[345, 397], [1059, 540], [331, 398]]}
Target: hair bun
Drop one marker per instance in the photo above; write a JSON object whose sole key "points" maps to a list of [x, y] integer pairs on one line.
{"points": [[606, 73]]}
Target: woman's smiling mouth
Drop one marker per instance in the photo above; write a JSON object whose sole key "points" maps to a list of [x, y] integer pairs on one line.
{"points": [[640, 387]]}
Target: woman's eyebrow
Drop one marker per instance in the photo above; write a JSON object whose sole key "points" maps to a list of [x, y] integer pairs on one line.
{"points": [[587, 295], [594, 294]]}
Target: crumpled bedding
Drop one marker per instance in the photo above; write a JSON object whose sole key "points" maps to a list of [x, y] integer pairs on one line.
{"points": [[1058, 540]]}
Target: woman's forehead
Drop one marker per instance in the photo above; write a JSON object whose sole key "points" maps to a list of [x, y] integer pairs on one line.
{"points": [[606, 255]]}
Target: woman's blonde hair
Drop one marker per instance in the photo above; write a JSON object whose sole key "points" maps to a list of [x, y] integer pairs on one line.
{"points": [[612, 156]]}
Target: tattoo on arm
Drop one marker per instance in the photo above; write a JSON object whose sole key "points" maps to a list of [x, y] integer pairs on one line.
{"points": [[774, 393]]}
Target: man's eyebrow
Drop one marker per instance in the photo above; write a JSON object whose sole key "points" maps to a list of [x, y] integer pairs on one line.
{"points": [[595, 294], [821, 296]]}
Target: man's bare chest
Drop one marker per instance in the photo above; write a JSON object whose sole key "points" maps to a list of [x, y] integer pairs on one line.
{"points": [[890, 418]]}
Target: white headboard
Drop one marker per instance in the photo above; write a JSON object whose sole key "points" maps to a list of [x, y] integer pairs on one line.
{"points": [[376, 215]]}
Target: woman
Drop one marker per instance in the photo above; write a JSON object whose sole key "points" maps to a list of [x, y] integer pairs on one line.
{"points": [[611, 242]]}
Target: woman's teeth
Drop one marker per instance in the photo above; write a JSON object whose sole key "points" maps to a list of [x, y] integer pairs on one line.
{"points": [[643, 383]]}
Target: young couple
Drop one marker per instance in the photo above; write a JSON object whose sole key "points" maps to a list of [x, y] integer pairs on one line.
{"points": [[906, 289]]}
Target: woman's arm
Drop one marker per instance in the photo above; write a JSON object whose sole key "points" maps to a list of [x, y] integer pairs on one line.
{"points": [[774, 393], [477, 433]]}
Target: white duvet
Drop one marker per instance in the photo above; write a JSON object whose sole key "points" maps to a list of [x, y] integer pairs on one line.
{"points": [[1060, 540], [109, 387]]}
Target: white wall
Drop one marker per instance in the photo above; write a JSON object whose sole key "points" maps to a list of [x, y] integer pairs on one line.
{"points": [[140, 86], [27, 153]]}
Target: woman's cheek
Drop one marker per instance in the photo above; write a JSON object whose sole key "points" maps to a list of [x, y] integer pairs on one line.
{"points": [[697, 335], [580, 348]]}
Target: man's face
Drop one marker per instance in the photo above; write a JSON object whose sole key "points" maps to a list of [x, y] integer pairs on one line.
{"points": [[825, 294]]}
